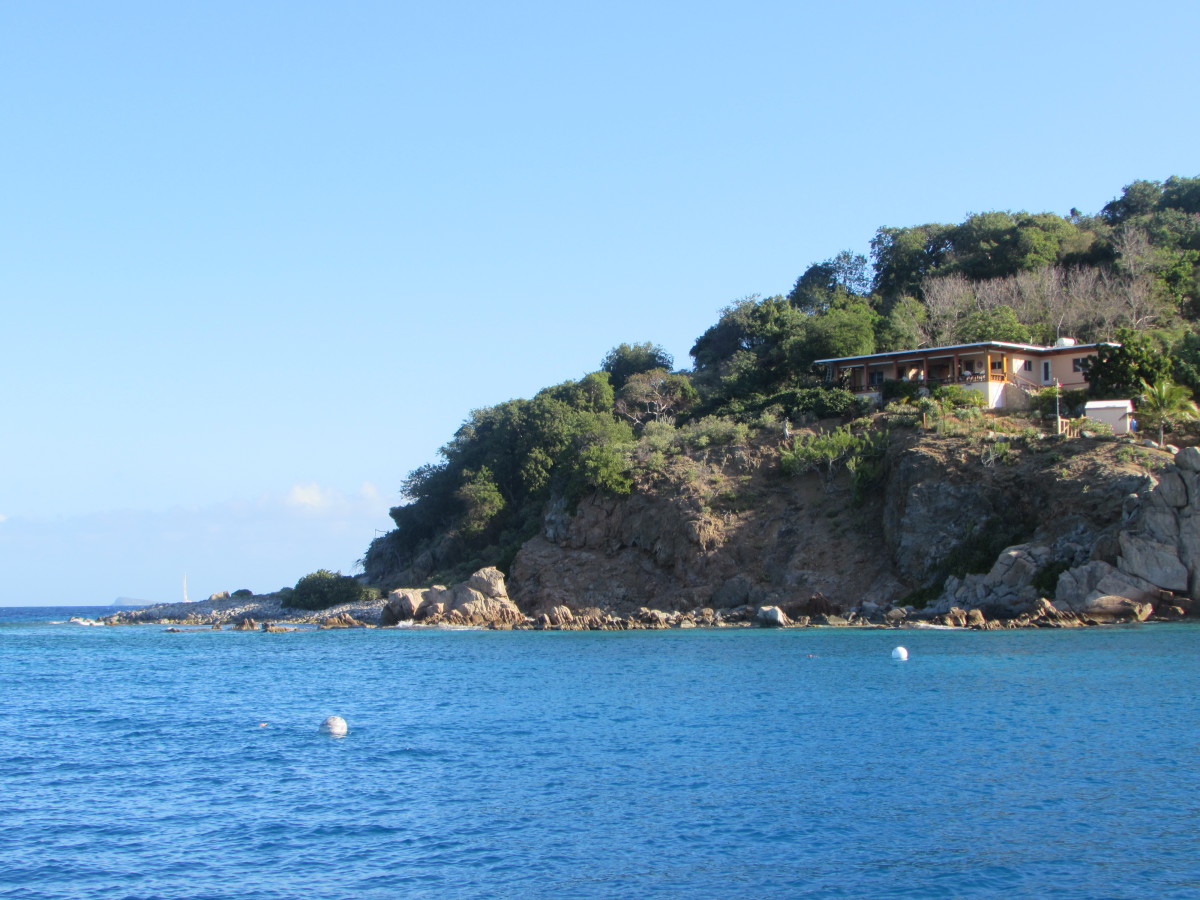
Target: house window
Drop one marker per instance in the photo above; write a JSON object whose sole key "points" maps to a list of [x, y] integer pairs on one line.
{"points": [[876, 378], [1077, 365], [1046, 372], [997, 365], [1027, 365]]}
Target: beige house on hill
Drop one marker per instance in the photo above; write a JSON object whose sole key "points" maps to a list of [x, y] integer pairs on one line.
{"points": [[1006, 374]]}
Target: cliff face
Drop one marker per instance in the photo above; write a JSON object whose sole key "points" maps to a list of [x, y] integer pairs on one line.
{"points": [[732, 530]]}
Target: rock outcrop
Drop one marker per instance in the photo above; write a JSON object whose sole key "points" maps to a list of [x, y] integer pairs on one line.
{"points": [[481, 600], [1154, 560]]}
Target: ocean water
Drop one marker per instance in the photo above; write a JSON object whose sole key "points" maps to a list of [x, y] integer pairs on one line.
{"points": [[719, 764]]}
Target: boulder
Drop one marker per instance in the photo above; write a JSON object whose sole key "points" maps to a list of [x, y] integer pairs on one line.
{"points": [[1154, 561], [431, 609], [1188, 459], [343, 620], [1189, 552], [1015, 567], [402, 606], [771, 617], [434, 602], [1078, 588], [829, 620], [1114, 607], [475, 609], [560, 615], [1172, 489], [462, 594], [489, 582]]}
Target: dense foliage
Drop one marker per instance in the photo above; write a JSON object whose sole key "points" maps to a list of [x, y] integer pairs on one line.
{"points": [[322, 589], [1130, 274]]}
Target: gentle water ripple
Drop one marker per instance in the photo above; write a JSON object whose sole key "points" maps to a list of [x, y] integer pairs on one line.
{"points": [[541, 765]]}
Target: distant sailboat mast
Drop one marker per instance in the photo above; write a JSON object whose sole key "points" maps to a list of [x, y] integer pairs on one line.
{"points": [[185, 599]]}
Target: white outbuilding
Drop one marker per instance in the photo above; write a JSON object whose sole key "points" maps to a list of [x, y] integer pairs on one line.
{"points": [[1117, 414]]}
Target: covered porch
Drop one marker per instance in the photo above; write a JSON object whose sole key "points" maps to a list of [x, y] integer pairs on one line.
{"points": [[941, 366]]}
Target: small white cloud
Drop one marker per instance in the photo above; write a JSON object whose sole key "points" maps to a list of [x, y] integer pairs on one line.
{"points": [[3, 517], [309, 496]]}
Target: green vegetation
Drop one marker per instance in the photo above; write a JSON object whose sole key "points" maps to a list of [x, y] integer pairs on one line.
{"points": [[322, 589], [1165, 403], [1046, 579], [1129, 274]]}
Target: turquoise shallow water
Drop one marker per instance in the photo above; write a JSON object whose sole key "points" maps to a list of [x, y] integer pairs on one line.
{"points": [[734, 763]]}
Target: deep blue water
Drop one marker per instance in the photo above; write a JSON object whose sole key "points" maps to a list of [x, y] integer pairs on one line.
{"points": [[722, 764]]}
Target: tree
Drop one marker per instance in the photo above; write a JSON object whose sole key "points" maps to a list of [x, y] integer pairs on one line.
{"points": [[481, 500], [845, 330], [1137, 199], [904, 257], [901, 327], [947, 299], [625, 360], [747, 351], [844, 274], [1182, 194], [1118, 370], [1164, 403], [655, 395], [996, 324], [1185, 360]]}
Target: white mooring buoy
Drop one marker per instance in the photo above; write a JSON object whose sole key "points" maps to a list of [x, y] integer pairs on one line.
{"points": [[335, 725], [900, 653]]}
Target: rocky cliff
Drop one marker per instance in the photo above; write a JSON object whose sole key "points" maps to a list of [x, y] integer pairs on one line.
{"points": [[731, 530]]}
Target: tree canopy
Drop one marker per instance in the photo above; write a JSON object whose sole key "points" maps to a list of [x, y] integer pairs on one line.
{"points": [[625, 360]]}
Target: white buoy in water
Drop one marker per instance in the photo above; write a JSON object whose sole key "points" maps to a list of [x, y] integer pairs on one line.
{"points": [[335, 725], [900, 653]]}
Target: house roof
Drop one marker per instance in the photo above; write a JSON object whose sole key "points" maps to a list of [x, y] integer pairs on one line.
{"points": [[981, 345], [1108, 404]]}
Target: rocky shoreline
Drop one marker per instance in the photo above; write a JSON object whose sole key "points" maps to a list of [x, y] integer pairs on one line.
{"points": [[482, 602], [1144, 566]]}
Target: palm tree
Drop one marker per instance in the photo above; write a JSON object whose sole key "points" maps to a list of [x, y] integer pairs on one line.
{"points": [[1165, 402]]}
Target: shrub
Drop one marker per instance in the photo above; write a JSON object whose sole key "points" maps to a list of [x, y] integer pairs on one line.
{"points": [[901, 415], [1046, 579], [322, 589], [997, 452], [242, 593], [927, 406], [1069, 403], [1096, 427], [959, 397], [712, 431], [864, 405], [837, 448], [658, 436], [900, 390], [818, 402]]}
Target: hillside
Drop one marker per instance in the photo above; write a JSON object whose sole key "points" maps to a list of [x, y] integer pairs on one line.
{"points": [[644, 484]]}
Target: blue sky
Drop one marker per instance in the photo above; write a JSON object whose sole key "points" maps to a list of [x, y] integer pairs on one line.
{"points": [[259, 260]]}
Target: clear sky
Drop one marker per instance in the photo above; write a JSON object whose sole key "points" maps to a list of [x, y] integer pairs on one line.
{"points": [[258, 260]]}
